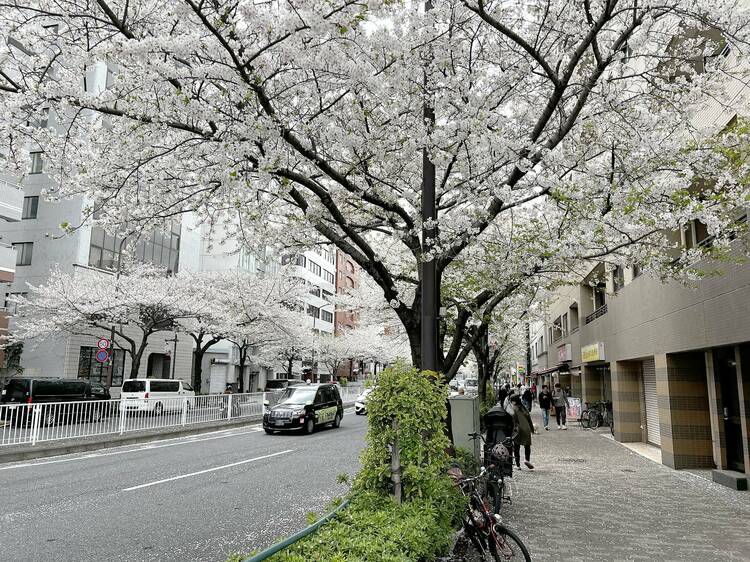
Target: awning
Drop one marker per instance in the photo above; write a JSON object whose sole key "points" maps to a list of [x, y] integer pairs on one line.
{"points": [[546, 371]]}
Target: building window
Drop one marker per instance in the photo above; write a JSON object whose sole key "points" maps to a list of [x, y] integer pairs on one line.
{"points": [[541, 343], [301, 260], [90, 369], [326, 316], [314, 291], [327, 295], [618, 278], [36, 163], [328, 276], [313, 311], [637, 271], [23, 252], [30, 207], [10, 306], [314, 267], [565, 324]]}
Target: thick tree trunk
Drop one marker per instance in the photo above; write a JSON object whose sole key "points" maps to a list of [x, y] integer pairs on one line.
{"points": [[243, 358], [289, 368], [198, 369], [135, 364]]}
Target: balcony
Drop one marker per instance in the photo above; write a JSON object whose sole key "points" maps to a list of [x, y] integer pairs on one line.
{"points": [[11, 201], [601, 311]]}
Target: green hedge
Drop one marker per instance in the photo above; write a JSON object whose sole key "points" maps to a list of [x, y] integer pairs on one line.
{"points": [[374, 528]]}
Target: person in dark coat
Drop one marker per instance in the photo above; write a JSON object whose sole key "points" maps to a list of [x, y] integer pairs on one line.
{"points": [[523, 427], [545, 403], [502, 394], [526, 398]]}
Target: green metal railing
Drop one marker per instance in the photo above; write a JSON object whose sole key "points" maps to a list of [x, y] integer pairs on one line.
{"points": [[295, 537]]}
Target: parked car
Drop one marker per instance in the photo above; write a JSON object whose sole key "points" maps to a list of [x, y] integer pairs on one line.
{"points": [[154, 395], [360, 404], [305, 407], [20, 392], [471, 386]]}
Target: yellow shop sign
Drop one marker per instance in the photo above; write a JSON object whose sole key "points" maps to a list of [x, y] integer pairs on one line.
{"points": [[593, 352]]}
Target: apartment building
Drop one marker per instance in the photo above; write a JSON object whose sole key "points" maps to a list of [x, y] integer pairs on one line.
{"points": [[14, 207], [221, 363], [40, 245]]}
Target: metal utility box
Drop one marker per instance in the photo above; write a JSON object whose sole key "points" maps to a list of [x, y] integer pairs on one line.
{"points": [[465, 420]]}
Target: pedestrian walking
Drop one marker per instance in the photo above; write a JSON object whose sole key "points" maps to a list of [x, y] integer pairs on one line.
{"points": [[522, 430], [526, 398], [545, 402], [502, 394], [533, 390], [560, 400]]}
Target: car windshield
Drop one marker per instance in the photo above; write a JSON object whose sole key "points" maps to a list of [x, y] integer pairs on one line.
{"points": [[134, 386], [297, 395]]}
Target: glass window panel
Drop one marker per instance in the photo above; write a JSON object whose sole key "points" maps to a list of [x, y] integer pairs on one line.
{"points": [[30, 206], [95, 257], [109, 242], [97, 236]]}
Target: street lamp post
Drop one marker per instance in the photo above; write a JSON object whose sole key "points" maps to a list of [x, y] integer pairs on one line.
{"points": [[430, 283], [174, 352]]}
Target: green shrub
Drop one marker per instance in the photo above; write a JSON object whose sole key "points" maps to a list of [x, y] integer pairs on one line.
{"points": [[465, 459], [416, 401], [343, 381], [374, 528]]}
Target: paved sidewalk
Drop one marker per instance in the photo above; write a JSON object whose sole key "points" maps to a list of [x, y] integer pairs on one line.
{"points": [[592, 499]]}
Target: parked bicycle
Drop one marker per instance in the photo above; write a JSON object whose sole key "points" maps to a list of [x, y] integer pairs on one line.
{"points": [[498, 460], [492, 539], [597, 415]]}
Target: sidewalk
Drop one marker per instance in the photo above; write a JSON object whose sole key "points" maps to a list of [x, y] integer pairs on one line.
{"points": [[590, 498]]}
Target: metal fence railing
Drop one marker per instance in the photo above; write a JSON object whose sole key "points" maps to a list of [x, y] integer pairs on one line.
{"points": [[33, 423]]}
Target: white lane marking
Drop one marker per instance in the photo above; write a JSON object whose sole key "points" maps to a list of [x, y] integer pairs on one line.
{"points": [[186, 441], [205, 471]]}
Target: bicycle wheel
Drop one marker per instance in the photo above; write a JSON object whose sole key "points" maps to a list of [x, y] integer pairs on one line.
{"points": [[594, 420], [585, 419], [508, 545]]}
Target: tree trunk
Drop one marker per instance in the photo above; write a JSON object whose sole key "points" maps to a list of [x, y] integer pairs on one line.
{"points": [[135, 364], [289, 368], [243, 358], [198, 370]]}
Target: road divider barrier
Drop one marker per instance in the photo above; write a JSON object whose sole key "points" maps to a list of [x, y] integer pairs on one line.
{"points": [[29, 424]]}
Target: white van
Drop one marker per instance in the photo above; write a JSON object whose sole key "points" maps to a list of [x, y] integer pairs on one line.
{"points": [[153, 395]]}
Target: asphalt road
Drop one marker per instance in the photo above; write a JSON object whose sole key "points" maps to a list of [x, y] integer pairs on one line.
{"points": [[188, 499]]}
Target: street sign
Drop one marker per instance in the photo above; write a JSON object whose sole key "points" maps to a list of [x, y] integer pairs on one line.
{"points": [[102, 356], [103, 343]]}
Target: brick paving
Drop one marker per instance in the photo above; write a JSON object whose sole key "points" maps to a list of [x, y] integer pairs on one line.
{"points": [[592, 499]]}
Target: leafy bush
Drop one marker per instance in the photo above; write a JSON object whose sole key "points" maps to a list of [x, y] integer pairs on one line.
{"points": [[416, 401], [374, 528], [465, 459], [343, 381]]}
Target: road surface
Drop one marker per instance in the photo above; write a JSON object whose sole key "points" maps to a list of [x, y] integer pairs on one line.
{"points": [[188, 499]]}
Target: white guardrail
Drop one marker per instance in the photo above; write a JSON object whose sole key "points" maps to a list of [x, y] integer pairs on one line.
{"points": [[29, 424]]}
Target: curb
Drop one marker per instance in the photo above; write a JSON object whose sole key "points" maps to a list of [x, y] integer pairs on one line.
{"points": [[14, 453]]}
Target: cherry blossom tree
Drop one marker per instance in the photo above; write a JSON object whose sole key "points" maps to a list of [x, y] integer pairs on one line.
{"points": [[571, 116], [134, 305]]}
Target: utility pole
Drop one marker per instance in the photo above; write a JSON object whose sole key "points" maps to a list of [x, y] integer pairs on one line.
{"points": [[174, 352], [430, 287]]}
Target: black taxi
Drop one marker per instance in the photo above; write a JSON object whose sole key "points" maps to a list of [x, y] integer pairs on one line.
{"points": [[305, 407]]}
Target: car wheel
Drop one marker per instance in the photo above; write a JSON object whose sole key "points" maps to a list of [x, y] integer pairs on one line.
{"points": [[309, 426], [158, 409], [96, 415], [268, 431], [337, 421]]}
